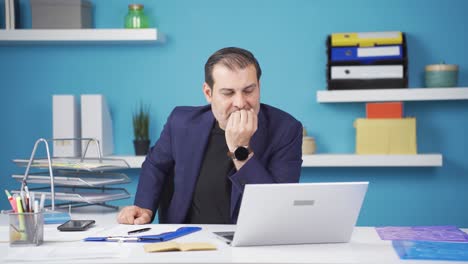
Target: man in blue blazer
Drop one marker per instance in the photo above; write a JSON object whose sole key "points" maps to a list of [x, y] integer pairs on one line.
{"points": [[197, 170]]}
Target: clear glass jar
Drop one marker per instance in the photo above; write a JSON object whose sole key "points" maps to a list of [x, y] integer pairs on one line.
{"points": [[136, 17]]}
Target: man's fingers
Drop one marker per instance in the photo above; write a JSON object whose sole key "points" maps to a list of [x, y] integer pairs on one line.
{"points": [[249, 121], [241, 125], [143, 218], [242, 118], [229, 122], [235, 119], [125, 218], [129, 219], [127, 215], [254, 120]]}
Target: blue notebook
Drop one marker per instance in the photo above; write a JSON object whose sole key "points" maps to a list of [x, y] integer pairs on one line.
{"points": [[430, 250], [51, 217]]}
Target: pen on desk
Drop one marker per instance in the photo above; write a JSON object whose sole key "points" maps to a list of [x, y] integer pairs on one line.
{"points": [[12, 201], [139, 230]]}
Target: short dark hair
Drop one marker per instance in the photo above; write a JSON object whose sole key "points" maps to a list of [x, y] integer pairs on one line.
{"points": [[233, 58]]}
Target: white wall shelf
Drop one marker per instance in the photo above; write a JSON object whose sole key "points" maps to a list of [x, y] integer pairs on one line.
{"points": [[342, 160], [382, 95], [37, 36], [354, 160]]}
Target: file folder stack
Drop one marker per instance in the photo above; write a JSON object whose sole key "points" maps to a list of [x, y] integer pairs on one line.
{"points": [[369, 60]]}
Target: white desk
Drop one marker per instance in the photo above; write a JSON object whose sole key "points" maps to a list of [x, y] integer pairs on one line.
{"points": [[60, 247]]}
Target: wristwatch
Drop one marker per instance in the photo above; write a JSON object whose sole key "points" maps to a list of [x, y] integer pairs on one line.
{"points": [[241, 153]]}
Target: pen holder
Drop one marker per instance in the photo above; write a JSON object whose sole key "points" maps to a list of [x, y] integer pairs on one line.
{"points": [[26, 229]]}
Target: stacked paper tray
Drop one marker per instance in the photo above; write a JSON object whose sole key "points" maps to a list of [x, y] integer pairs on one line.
{"points": [[82, 195], [65, 178], [88, 164]]}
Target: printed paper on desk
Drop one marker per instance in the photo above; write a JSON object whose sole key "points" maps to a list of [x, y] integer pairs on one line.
{"points": [[51, 234], [65, 253]]}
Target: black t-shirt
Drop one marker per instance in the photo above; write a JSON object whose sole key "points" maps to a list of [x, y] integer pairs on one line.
{"points": [[211, 202]]}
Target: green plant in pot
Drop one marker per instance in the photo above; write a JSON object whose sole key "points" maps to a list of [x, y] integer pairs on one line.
{"points": [[141, 130]]}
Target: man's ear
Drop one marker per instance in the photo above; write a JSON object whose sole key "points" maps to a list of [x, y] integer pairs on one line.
{"points": [[207, 92]]}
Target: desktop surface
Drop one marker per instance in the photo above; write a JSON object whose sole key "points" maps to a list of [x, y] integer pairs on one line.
{"points": [[60, 247]]}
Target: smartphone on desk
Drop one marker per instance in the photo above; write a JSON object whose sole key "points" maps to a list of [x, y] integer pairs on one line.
{"points": [[76, 225]]}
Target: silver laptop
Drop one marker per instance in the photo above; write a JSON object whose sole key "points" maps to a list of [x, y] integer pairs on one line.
{"points": [[297, 213]]}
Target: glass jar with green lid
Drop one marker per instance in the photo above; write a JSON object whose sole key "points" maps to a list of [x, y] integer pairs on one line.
{"points": [[136, 17]]}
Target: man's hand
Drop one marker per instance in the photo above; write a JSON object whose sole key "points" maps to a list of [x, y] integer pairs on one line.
{"points": [[240, 128], [134, 215]]}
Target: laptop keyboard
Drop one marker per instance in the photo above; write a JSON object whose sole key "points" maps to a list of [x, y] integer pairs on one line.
{"points": [[226, 235]]}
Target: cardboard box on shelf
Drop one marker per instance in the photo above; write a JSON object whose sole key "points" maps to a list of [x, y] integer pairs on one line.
{"points": [[61, 14], [386, 136]]}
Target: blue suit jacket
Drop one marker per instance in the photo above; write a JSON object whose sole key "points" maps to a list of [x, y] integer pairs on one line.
{"points": [[170, 170]]}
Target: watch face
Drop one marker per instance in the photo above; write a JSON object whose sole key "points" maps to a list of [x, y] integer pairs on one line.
{"points": [[241, 153]]}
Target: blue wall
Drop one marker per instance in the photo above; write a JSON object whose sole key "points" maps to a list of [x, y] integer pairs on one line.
{"points": [[288, 38]]}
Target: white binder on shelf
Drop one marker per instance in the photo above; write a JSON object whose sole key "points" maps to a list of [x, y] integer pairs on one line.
{"points": [[66, 124], [12, 14], [96, 122], [367, 72], [7, 14]]}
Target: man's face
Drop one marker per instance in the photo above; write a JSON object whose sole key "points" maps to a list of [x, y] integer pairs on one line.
{"points": [[232, 90]]}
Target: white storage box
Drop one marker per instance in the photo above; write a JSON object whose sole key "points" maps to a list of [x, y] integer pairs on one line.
{"points": [[61, 14]]}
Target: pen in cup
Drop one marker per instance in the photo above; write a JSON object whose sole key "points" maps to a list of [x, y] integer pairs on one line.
{"points": [[41, 203], [36, 206], [12, 201], [26, 200], [31, 202], [21, 218], [139, 230], [23, 202]]}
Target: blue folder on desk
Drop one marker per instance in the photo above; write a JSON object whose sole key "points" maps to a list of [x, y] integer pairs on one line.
{"points": [[366, 55], [148, 238], [431, 250], [51, 217]]}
